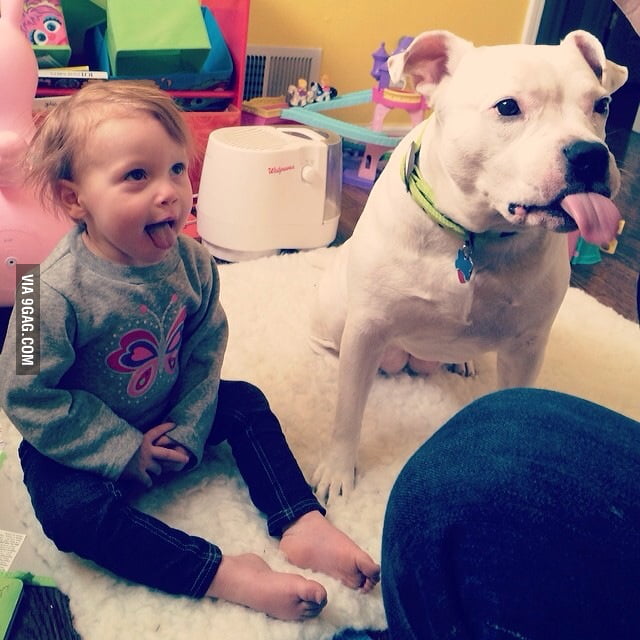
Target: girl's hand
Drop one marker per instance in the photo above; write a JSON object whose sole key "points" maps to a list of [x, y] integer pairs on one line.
{"points": [[150, 458], [170, 443]]}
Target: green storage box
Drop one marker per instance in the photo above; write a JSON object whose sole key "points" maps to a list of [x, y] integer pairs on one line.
{"points": [[52, 55], [80, 16], [153, 37]]}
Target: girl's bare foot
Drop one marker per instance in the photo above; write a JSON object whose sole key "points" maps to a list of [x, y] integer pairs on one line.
{"points": [[248, 580], [312, 542]]}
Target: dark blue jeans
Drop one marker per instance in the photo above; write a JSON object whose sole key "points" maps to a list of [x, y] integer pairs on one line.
{"points": [[519, 518], [92, 517]]}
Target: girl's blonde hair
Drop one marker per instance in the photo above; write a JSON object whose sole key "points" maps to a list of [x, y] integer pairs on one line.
{"points": [[56, 150]]}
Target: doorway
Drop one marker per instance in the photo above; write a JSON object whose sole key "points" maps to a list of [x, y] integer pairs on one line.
{"points": [[621, 43]]}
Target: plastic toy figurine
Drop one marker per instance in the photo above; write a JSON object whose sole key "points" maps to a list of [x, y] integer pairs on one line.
{"points": [[27, 232], [299, 95], [323, 91]]}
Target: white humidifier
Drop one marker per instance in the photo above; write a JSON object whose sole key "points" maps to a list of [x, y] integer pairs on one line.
{"points": [[264, 189]]}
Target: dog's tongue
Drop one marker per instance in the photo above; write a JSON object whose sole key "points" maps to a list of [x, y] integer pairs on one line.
{"points": [[596, 216], [161, 234]]}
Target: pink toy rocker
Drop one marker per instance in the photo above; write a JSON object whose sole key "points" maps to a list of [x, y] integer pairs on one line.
{"points": [[27, 232]]}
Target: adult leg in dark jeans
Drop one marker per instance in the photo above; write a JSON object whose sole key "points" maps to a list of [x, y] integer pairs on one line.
{"points": [[519, 518]]}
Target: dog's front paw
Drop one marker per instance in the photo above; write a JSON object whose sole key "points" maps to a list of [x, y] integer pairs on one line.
{"points": [[464, 369], [333, 478]]}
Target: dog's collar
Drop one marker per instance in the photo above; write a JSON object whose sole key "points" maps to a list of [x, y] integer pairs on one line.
{"points": [[422, 194]]}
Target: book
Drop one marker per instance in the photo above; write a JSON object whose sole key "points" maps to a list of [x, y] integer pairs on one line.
{"points": [[70, 72], [10, 596], [68, 78], [46, 103]]}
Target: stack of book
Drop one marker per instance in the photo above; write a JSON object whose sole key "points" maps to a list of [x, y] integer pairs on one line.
{"points": [[68, 77]]}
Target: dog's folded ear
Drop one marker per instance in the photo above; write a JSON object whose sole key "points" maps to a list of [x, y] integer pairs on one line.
{"points": [[611, 75], [429, 58]]}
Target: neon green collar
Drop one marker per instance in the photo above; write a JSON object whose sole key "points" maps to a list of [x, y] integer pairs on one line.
{"points": [[422, 194]]}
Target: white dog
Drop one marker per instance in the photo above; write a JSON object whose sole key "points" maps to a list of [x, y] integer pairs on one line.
{"points": [[455, 252]]}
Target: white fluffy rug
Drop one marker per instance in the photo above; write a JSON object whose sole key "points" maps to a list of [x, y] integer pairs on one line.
{"points": [[593, 353]]}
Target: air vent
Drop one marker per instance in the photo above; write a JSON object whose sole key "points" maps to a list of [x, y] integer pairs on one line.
{"points": [[270, 70]]}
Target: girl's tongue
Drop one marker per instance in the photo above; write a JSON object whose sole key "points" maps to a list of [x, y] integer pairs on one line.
{"points": [[162, 234]]}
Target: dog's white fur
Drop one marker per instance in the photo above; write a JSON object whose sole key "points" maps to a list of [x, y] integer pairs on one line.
{"points": [[392, 296]]}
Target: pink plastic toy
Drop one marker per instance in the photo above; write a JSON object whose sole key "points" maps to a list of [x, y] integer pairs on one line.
{"points": [[27, 232], [385, 98]]}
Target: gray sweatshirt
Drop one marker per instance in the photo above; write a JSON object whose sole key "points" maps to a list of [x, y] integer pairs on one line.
{"points": [[123, 349]]}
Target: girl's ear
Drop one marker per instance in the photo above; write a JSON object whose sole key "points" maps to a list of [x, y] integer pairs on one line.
{"points": [[67, 196]]}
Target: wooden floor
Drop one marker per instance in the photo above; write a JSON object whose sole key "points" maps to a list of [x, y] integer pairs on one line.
{"points": [[613, 280]]}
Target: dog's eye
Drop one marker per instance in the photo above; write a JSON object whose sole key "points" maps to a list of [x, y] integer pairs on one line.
{"points": [[601, 105], [508, 107]]}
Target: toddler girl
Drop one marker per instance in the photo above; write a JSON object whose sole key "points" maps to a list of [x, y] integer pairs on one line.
{"points": [[132, 340]]}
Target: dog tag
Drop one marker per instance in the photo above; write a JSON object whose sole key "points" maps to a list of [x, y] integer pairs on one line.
{"points": [[464, 263]]}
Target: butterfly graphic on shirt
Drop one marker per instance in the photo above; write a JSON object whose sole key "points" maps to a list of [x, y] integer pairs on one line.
{"points": [[141, 354]]}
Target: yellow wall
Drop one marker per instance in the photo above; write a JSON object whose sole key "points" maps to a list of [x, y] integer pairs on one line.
{"points": [[348, 31]]}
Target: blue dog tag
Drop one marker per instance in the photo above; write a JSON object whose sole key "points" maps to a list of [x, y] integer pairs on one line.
{"points": [[464, 263]]}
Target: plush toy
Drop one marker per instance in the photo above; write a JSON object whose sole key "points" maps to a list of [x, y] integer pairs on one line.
{"points": [[27, 232]]}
